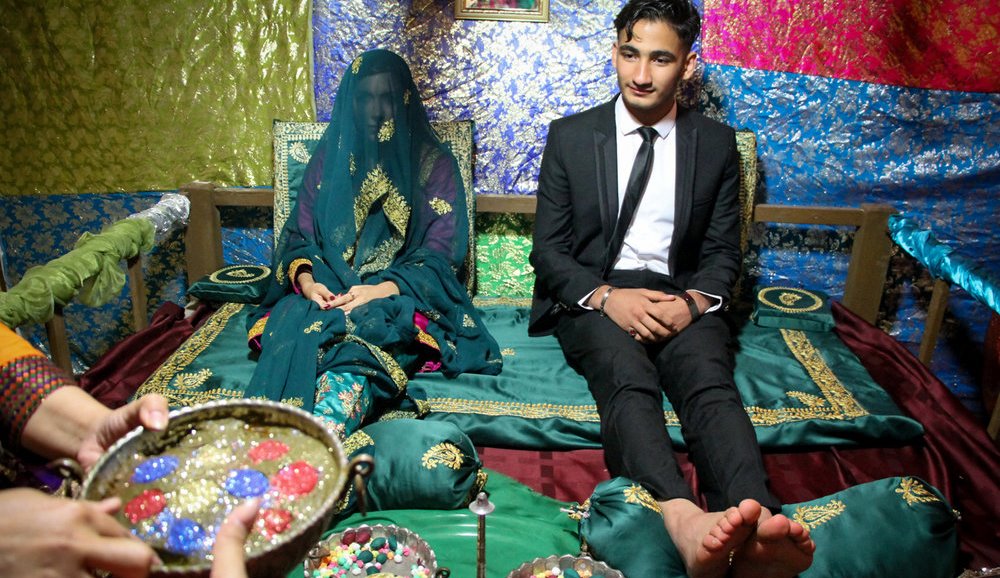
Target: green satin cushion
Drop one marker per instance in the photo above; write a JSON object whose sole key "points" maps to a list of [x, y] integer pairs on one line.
{"points": [[792, 308], [622, 525], [525, 525], [233, 284], [898, 526], [418, 465]]}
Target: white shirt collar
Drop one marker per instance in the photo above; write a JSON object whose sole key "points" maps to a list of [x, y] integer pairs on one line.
{"points": [[626, 124]]}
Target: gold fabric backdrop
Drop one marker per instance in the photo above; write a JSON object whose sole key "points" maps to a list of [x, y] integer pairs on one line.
{"points": [[126, 95]]}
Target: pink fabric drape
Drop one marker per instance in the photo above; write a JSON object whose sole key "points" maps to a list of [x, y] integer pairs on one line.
{"points": [[936, 44]]}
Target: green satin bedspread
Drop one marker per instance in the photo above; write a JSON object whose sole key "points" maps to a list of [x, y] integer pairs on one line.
{"points": [[452, 533], [800, 388]]}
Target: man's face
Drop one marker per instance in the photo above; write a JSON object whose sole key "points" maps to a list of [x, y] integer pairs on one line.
{"points": [[373, 103], [650, 66]]}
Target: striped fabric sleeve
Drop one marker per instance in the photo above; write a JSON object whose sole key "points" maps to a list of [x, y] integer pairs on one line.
{"points": [[24, 382]]}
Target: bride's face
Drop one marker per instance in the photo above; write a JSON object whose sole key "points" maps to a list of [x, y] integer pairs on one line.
{"points": [[373, 103]]}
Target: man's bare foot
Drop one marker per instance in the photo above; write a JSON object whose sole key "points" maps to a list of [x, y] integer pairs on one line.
{"points": [[705, 540], [780, 548]]}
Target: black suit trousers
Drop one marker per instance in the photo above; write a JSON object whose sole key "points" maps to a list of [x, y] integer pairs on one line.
{"points": [[695, 370]]}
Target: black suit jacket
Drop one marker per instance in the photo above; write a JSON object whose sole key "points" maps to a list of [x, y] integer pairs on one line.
{"points": [[578, 206]]}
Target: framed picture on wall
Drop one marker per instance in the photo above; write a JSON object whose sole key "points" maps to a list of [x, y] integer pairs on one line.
{"points": [[524, 10]]}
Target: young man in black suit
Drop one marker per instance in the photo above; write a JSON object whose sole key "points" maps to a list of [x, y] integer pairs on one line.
{"points": [[636, 249]]}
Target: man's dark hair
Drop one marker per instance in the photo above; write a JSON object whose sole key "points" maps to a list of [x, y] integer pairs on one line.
{"points": [[681, 15]]}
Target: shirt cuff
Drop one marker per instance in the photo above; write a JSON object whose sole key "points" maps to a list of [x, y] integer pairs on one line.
{"points": [[715, 299]]}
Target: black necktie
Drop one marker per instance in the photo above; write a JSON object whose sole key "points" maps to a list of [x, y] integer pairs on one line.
{"points": [[633, 192]]}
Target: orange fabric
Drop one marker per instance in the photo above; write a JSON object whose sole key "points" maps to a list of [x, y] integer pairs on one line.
{"points": [[12, 346]]}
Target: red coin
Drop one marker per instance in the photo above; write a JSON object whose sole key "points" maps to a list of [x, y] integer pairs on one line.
{"points": [[296, 479], [147, 504], [268, 450]]}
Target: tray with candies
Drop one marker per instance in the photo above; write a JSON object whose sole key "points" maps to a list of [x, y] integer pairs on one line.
{"points": [[177, 486], [379, 551], [565, 567]]}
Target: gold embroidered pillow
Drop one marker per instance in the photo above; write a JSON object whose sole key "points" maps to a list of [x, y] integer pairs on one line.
{"points": [[899, 526], [418, 465], [792, 308], [233, 284]]}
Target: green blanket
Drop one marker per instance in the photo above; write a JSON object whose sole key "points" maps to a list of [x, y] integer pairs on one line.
{"points": [[800, 388]]}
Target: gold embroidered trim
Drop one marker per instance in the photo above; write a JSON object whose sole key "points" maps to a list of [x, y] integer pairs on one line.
{"points": [[315, 327], [382, 256], [440, 206], [478, 486], [356, 65], [914, 492], [467, 321], [351, 165], [389, 364], [788, 296], [375, 186], [508, 352], [636, 494], [488, 301], [837, 402], [182, 395], [294, 266], [386, 131], [582, 413], [427, 339], [443, 454], [812, 516], [286, 134], [299, 152], [356, 441], [241, 274], [406, 96], [257, 329]]}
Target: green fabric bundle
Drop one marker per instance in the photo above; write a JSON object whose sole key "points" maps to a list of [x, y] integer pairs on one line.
{"points": [[613, 519], [792, 308], [232, 284], [418, 465], [92, 269]]}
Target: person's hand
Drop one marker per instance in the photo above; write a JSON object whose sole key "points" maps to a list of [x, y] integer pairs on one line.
{"points": [[228, 549], [314, 291], [361, 294], [648, 316], [48, 536], [149, 411]]}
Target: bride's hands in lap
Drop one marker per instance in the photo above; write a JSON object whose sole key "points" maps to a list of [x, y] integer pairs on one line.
{"points": [[317, 292], [361, 294]]}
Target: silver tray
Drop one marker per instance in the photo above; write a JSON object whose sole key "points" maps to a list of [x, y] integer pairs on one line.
{"points": [[282, 555], [421, 551], [585, 566]]}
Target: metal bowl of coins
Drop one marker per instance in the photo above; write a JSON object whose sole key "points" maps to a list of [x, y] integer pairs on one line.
{"points": [[178, 485], [568, 567], [378, 551]]}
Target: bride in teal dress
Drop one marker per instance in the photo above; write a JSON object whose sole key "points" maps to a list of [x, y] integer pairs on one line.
{"points": [[365, 290]]}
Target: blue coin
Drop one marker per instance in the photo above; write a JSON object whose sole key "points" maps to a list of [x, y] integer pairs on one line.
{"points": [[185, 537], [154, 469], [246, 483]]}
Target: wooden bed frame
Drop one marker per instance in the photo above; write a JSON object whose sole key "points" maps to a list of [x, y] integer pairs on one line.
{"points": [[863, 287]]}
